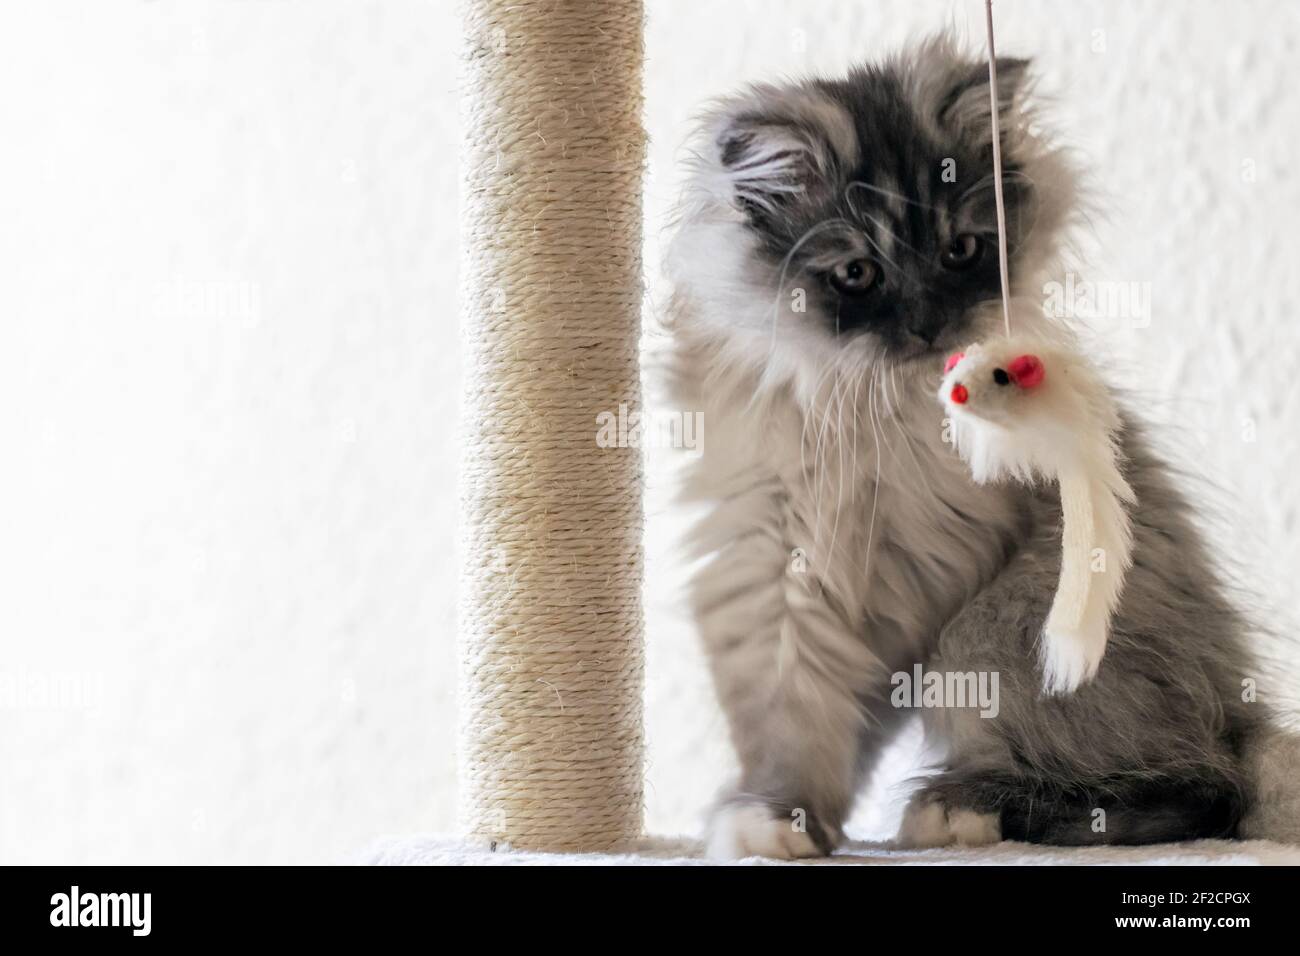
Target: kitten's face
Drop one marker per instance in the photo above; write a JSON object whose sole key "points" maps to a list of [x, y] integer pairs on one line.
{"points": [[865, 208]]}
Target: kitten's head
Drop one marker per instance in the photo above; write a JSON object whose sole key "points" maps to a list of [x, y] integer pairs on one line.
{"points": [[854, 219]]}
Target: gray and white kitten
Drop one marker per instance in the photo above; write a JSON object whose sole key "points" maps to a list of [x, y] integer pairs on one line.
{"points": [[838, 240]]}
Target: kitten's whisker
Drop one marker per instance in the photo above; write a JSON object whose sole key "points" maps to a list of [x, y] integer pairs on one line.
{"points": [[875, 493], [873, 416], [818, 458], [819, 446], [839, 491], [785, 265], [857, 416], [880, 250], [810, 487], [859, 184], [1014, 300], [893, 234], [907, 443], [987, 180], [889, 408], [884, 395]]}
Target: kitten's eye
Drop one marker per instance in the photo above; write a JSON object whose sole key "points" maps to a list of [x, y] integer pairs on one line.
{"points": [[855, 277], [963, 252]]}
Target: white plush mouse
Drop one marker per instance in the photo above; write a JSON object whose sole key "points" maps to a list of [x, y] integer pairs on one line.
{"points": [[1031, 411]]}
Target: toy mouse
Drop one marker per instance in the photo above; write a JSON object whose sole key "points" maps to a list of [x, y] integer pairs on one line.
{"points": [[1032, 411]]}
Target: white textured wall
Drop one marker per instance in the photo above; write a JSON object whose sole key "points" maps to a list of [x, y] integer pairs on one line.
{"points": [[228, 380], [228, 383]]}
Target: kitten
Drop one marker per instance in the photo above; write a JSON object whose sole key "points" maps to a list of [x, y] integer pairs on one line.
{"points": [[838, 240]]}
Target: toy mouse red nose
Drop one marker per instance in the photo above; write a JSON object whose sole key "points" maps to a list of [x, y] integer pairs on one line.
{"points": [[1026, 370], [959, 394], [953, 359]]}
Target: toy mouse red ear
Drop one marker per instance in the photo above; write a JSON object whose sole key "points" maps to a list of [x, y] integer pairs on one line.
{"points": [[1026, 370], [953, 359]]}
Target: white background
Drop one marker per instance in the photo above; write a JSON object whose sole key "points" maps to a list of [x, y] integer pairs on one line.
{"points": [[228, 380]]}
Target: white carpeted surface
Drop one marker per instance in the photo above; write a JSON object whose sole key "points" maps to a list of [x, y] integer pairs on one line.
{"points": [[657, 851]]}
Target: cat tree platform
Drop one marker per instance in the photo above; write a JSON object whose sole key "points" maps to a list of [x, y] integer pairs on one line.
{"points": [[661, 851]]}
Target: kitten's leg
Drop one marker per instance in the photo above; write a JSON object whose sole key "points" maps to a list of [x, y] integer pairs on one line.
{"points": [[931, 820], [804, 695], [806, 740], [1138, 755], [990, 645], [796, 789]]}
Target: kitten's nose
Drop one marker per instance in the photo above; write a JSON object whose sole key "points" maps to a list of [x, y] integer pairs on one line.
{"points": [[927, 322], [925, 331]]}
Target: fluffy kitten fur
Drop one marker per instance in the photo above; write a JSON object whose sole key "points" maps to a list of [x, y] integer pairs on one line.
{"points": [[843, 541]]}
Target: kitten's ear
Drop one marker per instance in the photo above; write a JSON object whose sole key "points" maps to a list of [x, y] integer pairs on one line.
{"points": [[777, 148], [965, 108]]}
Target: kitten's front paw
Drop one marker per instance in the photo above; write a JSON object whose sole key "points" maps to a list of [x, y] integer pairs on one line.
{"points": [[929, 823], [1069, 660], [752, 829]]}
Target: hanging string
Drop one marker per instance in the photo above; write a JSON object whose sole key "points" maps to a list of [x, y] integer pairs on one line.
{"points": [[997, 173]]}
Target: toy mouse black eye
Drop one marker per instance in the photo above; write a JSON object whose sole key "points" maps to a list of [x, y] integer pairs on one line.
{"points": [[1000, 376]]}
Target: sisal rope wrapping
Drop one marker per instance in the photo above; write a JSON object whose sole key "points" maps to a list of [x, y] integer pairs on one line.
{"points": [[550, 611]]}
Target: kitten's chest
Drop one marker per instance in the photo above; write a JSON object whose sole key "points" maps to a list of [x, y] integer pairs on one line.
{"points": [[914, 537], [873, 506]]}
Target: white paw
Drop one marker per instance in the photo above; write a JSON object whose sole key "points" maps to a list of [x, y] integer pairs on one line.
{"points": [[1069, 660], [929, 823], [743, 830]]}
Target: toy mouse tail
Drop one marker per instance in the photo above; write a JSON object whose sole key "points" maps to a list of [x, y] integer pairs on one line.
{"points": [[1096, 553]]}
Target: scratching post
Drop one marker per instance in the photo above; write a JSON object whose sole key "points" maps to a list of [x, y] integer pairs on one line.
{"points": [[550, 613]]}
